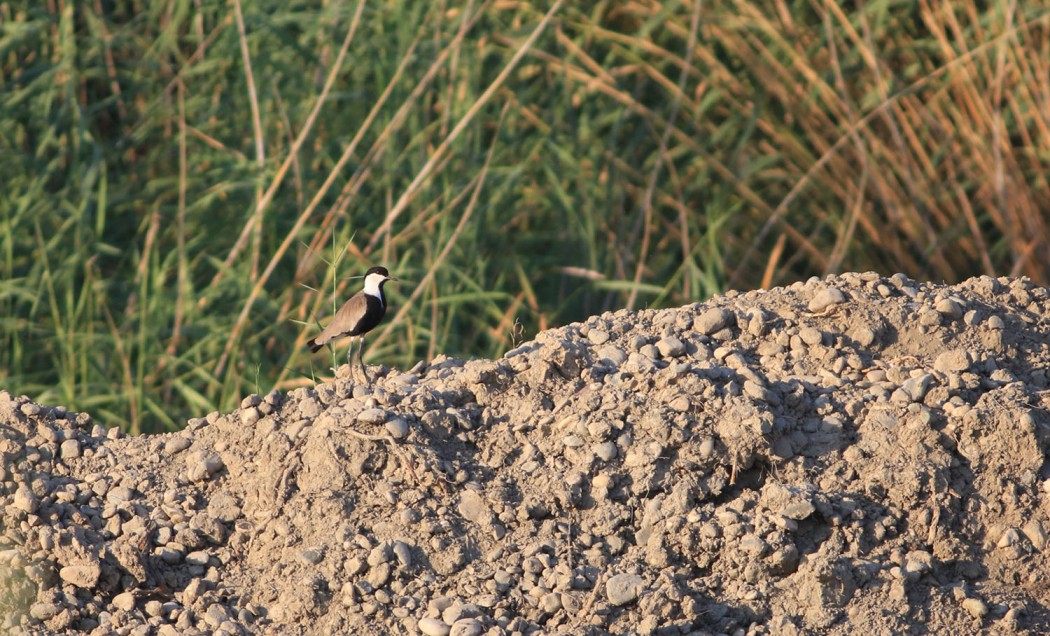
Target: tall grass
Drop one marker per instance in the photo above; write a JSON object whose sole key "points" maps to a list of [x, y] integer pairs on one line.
{"points": [[188, 186]]}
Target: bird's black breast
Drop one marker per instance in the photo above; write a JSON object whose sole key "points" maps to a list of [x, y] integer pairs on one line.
{"points": [[373, 314]]}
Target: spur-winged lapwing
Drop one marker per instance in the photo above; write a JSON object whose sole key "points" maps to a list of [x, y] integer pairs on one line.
{"points": [[357, 316]]}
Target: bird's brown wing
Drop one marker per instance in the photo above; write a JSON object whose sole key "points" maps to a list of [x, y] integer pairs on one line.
{"points": [[344, 322]]}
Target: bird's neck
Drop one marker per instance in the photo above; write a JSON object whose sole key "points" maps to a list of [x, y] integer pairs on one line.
{"points": [[374, 287]]}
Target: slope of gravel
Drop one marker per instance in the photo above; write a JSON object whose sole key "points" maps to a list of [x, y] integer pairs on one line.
{"points": [[855, 453]]}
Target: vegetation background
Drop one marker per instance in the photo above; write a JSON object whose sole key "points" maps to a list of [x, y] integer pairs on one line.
{"points": [[187, 186]]}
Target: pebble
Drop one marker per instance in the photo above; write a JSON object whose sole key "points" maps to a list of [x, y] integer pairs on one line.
{"points": [[612, 353], [204, 465], [622, 589], [606, 451], [917, 387], [216, 615], [176, 444], [119, 495], [70, 449], [124, 601], [810, 336], [826, 298], [250, 416], [83, 576], [30, 409], [397, 427], [1010, 537], [198, 557], [1036, 534], [713, 320], [598, 336], [193, 590], [467, 627], [43, 611], [403, 553], [952, 361], [670, 347], [976, 607], [25, 500], [433, 626], [949, 308], [372, 416]]}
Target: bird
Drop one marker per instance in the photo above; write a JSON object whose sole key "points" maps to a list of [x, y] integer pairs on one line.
{"points": [[357, 316]]}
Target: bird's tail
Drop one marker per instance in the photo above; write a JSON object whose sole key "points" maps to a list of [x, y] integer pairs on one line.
{"points": [[314, 346]]}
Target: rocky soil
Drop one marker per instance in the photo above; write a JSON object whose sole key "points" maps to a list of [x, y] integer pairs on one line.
{"points": [[858, 454]]}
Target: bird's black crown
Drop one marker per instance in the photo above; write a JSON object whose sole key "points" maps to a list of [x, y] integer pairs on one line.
{"points": [[378, 270]]}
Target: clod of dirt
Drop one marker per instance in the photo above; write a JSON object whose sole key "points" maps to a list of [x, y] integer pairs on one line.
{"points": [[855, 453]]}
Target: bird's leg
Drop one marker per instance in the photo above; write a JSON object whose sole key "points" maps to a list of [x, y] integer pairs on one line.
{"points": [[349, 354], [361, 357]]}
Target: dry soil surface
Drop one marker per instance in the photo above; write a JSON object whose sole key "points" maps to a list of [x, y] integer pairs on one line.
{"points": [[858, 454]]}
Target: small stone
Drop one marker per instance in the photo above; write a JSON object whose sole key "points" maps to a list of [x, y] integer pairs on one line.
{"points": [[550, 602], [753, 544], [176, 444], [649, 351], [204, 465], [826, 298], [372, 416], [917, 563], [30, 409], [798, 510], [467, 627], [124, 601], [198, 557], [1009, 538], [433, 626], [403, 554], [169, 555], [713, 320], [949, 308], [1036, 534], [612, 354], [397, 427], [43, 611], [917, 387], [810, 336], [379, 554], [119, 495], [216, 615], [250, 416], [670, 347], [312, 556], [193, 591], [976, 607], [598, 336], [622, 589], [955, 361], [84, 576], [472, 506], [606, 451], [25, 500], [70, 449]]}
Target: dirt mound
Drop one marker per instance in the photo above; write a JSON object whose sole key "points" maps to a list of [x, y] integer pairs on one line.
{"points": [[855, 453]]}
